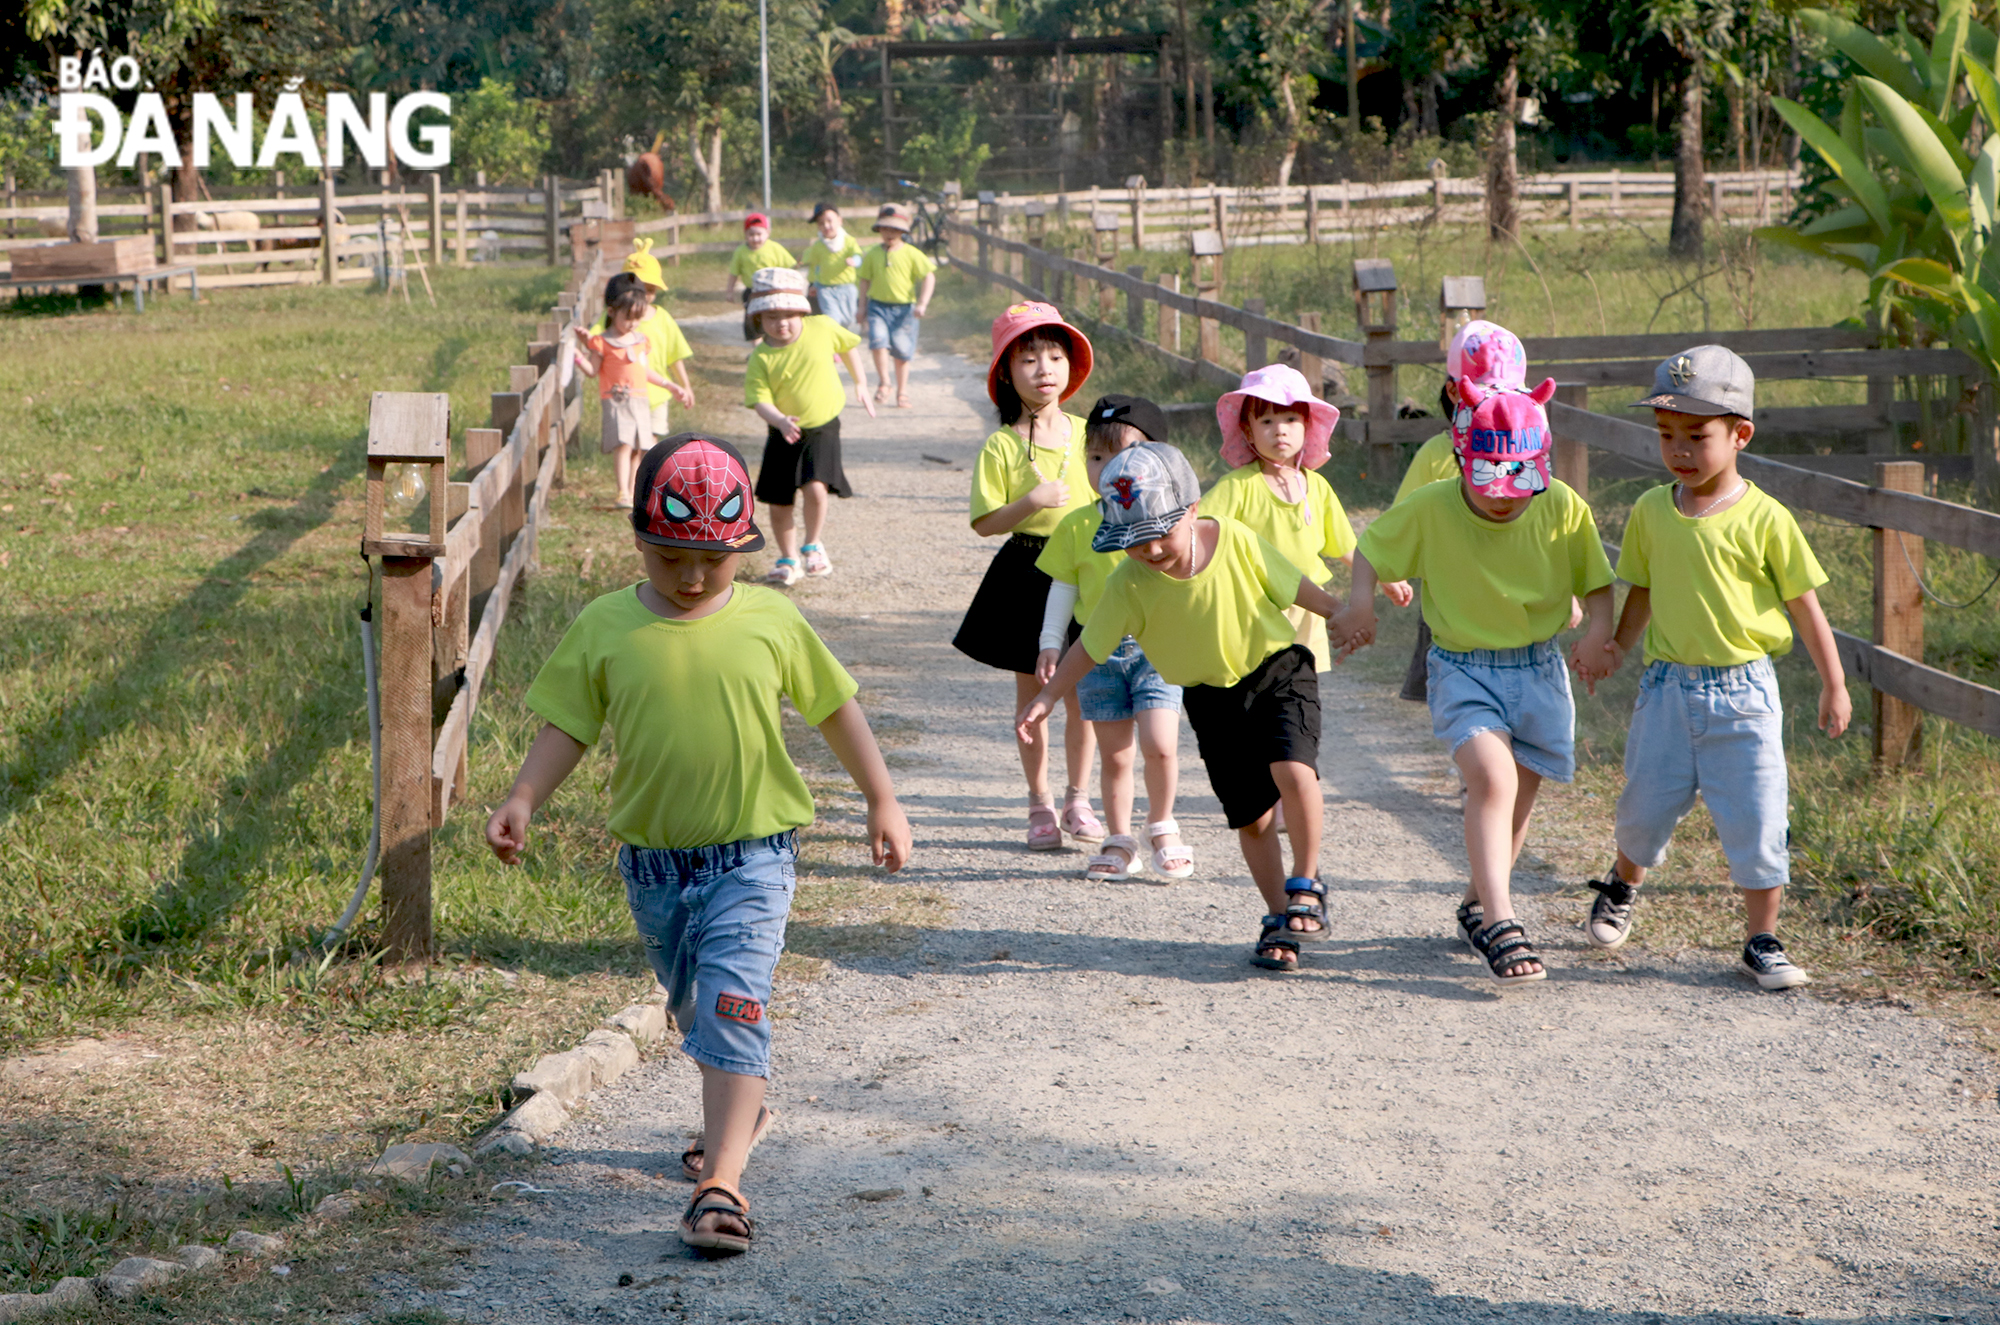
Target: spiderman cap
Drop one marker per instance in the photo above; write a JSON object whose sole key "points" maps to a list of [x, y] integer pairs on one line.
{"points": [[694, 492]]}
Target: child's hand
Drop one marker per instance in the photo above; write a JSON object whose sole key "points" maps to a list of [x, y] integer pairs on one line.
{"points": [[1048, 496], [867, 401], [507, 830], [921, 309], [1836, 709], [1575, 612], [1354, 628], [790, 430], [1594, 659], [889, 836], [1399, 592], [1045, 664], [1033, 716], [682, 394]]}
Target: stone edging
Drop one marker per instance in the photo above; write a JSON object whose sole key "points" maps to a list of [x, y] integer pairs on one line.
{"points": [[134, 1274], [557, 1081]]}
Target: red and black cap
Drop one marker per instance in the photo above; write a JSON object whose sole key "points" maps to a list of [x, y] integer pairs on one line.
{"points": [[694, 492]]}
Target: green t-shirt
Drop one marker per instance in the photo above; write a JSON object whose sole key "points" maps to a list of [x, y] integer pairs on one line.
{"points": [[800, 378], [668, 346], [1213, 628], [747, 262], [1068, 558], [832, 264], [1724, 579], [1005, 472], [1433, 461], [1307, 532], [893, 274], [1489, 585], [693, 710]]}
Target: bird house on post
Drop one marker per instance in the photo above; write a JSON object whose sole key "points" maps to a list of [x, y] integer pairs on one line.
{"points": [[406, 428], [1136, 185], [1375, 312], [1035, 222], [1460, 299], [1206, 248]]}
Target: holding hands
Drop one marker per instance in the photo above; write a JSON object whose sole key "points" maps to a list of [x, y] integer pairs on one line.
{"points": [[1596, 656]]}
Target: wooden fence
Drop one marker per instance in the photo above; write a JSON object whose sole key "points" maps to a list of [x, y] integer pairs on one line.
{"points": [[1308, 214], [371, 230], [445, 590], [1903, 518]]}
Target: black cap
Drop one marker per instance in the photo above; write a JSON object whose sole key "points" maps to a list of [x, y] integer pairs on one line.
{"points": [[1136, 411], [822, 208]]}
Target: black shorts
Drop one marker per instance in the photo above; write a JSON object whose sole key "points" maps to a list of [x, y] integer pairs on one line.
{"points": [[1269, 717], [789, 466]]}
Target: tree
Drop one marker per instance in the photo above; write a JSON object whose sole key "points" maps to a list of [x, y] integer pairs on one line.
{"points": [[497, 132], [1685, 36], [1272, 47]]}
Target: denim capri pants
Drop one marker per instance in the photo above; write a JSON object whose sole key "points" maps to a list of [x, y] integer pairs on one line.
{"points": [[713, 921], [840, 302], [893, 327], [1716, 732], [1119, 687], [1522, 692]]}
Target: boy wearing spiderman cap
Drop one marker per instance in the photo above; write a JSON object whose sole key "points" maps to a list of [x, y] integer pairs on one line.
{"points": [[1501, 552], [687, 668]]}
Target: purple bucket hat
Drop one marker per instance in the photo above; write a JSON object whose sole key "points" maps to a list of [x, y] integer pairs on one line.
{"points": [[1281, 384]]}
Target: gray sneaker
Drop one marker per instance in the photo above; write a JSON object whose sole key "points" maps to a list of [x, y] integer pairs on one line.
{"points": [[1764, 959], [1611, 914]]}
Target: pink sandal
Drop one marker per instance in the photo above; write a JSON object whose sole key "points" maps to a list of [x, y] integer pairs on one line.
{"points": [[1079, 820], [1044, 834]]}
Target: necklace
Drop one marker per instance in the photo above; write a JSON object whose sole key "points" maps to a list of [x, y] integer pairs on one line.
{"points": [[1681, 489], [1028, 444], [1303, 506]]}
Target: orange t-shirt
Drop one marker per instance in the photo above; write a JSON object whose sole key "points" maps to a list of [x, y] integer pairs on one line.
{"points": [[620, 365]]}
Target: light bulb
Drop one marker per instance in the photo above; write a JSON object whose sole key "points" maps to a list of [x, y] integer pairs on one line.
{"points": [[403, 490]]}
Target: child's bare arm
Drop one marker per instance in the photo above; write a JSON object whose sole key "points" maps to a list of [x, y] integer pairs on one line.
{"points": [[1836, 709], [586, 361], [787, 426], [1313, 598], [1632, 621], [551, 758], [853, 744], [924, 293], [1074, 664], [852, 358], [1353, 627], [1597, 654], [687, 386], [861, 300], [1002, 519]]}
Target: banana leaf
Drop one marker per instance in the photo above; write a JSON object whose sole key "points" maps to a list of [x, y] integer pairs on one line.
{"points": [[1946, 50], [1985, 93], [1932, 163], [1844, 160], [1865, 49], [1859, 257]]}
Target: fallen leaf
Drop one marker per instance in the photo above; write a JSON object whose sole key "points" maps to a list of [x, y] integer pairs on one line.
{"points": [[879, 1194]]}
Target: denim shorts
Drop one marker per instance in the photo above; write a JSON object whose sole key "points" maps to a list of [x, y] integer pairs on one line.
{"points": [[893, 327], [1522, 692], [713, 919], [840, 302], [1122, 685], [1717, 732]]}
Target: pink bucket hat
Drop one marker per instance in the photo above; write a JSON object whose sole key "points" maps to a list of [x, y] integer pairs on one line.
{"points": [[1281, 384], [1505, 448], [1016, 322]]}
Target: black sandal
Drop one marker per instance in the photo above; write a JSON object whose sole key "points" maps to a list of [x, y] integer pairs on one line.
{"points": [[1314, 910], [1471, 917], [1276, 939], [1505, 946], [716, 1199]]}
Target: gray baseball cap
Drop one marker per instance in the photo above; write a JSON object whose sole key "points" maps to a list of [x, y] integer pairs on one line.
{"points": [[1146, 489], [1708, 379]]}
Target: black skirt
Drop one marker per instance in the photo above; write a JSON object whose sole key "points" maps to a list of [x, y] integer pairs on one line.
{"points": [[1003, 627], [789, 466]]}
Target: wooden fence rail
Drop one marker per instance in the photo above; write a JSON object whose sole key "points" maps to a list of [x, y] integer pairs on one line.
{"points": [[1902, 517], [445, 592]]}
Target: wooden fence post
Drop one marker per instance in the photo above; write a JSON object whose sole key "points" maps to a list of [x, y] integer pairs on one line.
{"points": [[1135, 306], [1312, 214], [1617, 194], [1375, 314], [463, 259], [328, 259], [434, 197], [1311, 366], [1899, 615], [1986, 445], [1170, 318], [1255, 353], [552, 194], [1572, 456], [165, 188]]}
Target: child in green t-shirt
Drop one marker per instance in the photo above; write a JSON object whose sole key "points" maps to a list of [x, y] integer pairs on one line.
{"points": [[1502, 554], [756, 252], [896, 280], [687, 667], [1720, 574], [1205, 598], [793, 386], [830, 261], [1123, 697]]}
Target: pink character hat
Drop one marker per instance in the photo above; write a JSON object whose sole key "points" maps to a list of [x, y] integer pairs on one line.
{"points": [[1018, 321], [1281, 384], [1505, 450], [1490, 355]]}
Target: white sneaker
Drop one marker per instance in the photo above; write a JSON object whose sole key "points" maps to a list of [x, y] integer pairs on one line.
{"points": [[1764, 959]]}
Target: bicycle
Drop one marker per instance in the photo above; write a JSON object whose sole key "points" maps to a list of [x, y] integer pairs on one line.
{"points": [[927, 231]]}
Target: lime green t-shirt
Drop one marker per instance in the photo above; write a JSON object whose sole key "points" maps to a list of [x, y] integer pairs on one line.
{"points": [[832, 264], [801, 378], [1068, 558], [1213, 628], [1724, 579], [1433, 461], [1307, 532], [746, 262], [893, 274], [1005, 471], [693, 710], [1489, 585], [667, 347]]}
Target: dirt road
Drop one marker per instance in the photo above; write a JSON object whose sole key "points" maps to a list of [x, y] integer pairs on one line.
{"points": [[1092, 1108]]}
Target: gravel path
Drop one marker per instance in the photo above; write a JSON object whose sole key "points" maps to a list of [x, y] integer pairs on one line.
{"points": [[1089, 1107]]}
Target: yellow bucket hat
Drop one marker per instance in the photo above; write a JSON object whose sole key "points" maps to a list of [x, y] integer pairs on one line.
{"points": [[644, 265]]}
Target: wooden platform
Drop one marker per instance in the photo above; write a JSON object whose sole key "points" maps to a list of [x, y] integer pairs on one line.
{"points": [[138, 280]]}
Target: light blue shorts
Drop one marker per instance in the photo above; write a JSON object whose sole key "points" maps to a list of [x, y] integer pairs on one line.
{"points": [[1523, 693], [713, 919], [840, 302], [893, 327], [1717, 732], [1122, 685]]}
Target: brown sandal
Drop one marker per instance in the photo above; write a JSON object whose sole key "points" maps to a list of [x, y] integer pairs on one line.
{"points": [[716, 1199]]}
